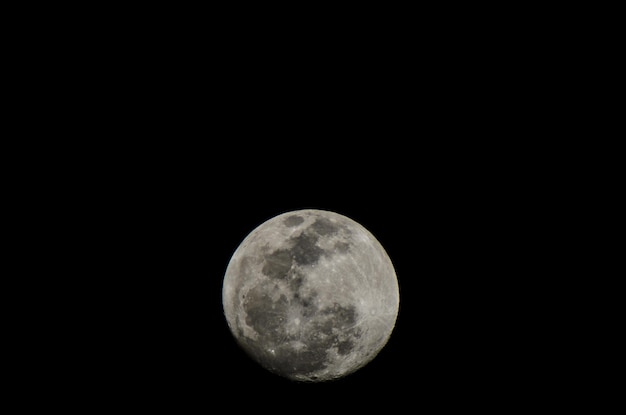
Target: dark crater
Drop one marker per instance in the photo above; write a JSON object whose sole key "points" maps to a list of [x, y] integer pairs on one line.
{"points": [[277, 264], [345, 347], [341, 247], [305, 251], [293, 220], [339, 317], [324, 227], [306, 304], [296, 281], [265, 315]]}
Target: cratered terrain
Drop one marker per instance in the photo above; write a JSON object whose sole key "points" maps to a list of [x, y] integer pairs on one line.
{"points": [[311, 295]]}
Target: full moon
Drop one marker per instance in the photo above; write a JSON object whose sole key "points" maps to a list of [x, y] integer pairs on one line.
{"points": [[311, 295]]}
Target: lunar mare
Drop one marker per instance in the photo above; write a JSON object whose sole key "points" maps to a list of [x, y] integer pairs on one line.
{"points": [[311, 295]]}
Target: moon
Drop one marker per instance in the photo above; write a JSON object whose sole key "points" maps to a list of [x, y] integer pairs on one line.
{"points": [[311, 295]]}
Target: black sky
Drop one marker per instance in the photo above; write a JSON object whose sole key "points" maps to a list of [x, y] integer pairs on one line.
{"points": [[446, 227], [442, 165]]}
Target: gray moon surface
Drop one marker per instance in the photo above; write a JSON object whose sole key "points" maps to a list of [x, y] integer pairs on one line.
{"points": [[311, 295]]}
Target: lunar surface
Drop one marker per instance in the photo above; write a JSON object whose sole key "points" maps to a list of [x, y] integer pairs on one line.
{"points": [[311, 295]]}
